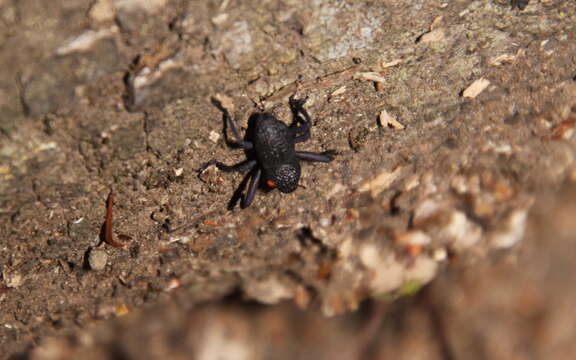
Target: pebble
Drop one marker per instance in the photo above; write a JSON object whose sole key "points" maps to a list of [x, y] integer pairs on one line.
{"points": [[102, 10], [512, 232], [325, 222], [149, 6], [97, 259], [461, 231], [440, 254], [12, 279], [214, 136], [268, 291]]}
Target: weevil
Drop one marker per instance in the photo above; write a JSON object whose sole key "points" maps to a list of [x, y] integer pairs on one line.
{"points": [[272, 159]]}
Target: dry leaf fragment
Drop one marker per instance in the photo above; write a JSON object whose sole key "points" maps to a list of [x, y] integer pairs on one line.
{"points": [[385, 120]]}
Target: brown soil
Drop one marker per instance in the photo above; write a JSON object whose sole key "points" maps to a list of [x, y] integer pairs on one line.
{"points": [[471, 190]]}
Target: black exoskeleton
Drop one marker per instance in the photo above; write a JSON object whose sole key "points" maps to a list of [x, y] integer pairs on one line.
{"points": [[272, 159], [520, 4]]}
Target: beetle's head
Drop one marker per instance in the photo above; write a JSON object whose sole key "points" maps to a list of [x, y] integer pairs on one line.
{"points": [[284, 177]]}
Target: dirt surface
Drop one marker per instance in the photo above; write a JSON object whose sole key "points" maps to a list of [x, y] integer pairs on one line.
{"points": [[517, 306], [452, 122]]}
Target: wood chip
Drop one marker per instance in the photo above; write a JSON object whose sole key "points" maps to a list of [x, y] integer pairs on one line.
{"points": [[436, 22], [476, 88], [341, 90], [370, 76], [385, 65], [502, 59], [382, 181], [220, 19], [210, 222], [121, 310]]}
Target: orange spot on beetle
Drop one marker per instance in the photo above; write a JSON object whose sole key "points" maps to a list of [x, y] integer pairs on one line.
{"points": [[271, 183]]}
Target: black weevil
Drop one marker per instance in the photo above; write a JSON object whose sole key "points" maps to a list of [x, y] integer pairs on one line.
{"points": [[520, 4], [272, 159]]}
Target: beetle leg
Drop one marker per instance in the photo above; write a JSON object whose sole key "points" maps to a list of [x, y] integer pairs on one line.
{"points": [[254, 182], [229, 123], [324, 157], [300, 133], [247, 145], [239, 190], [240, 167]]}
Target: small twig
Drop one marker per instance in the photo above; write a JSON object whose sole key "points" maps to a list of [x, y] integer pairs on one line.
{"points": [[108, 233]]}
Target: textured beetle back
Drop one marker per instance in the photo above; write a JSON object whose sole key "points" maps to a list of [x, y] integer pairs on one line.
{"points": [[273, 142], [287, 177]]}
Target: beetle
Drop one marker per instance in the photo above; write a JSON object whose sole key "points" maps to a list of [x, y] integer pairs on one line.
{"points": [[520, 4], [272, 160]]}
